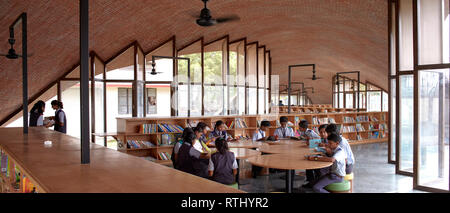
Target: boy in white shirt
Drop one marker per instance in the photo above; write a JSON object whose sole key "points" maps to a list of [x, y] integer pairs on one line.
{"points": [[284, 131], [305, 132], [260, 134], [332, 128], [336, 172]]}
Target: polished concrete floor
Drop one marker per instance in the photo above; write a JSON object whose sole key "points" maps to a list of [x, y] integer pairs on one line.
{"points": [[372, 174]]}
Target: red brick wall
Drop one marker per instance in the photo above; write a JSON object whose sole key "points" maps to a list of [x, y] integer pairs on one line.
{"points": [[336, 35]]}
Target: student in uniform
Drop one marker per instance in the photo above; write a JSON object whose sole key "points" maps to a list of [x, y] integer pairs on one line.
{"points": [[260, 134], [314, 174], [219, 132], [37, 114], [336, 172], [284, 131], [222, 164], [176, 148], [304, 132], [280, 103], [332, 128], [60, 117], [190, 159]]}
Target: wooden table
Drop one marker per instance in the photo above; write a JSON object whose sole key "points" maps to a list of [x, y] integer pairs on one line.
{"points": [[288, 162], [287, 142], [58, 169], [286, 149], [246, 144]]}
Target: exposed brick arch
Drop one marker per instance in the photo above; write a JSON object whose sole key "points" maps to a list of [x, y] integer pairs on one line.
{"points": [[336, 35]]}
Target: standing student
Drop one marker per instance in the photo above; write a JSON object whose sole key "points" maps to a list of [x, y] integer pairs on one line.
{"points": [[222, 164], [60, 117], [190, 159], [260, 134], [284, 131], [37, 114], [336, 172], [313, 174], [219, 131], [304, 132], [332, 128]]}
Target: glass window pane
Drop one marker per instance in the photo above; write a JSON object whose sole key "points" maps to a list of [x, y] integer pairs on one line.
{"points": [[182, 100], [341, 100], [261, 101], [99, 108], [163, 66], [393, 130], [113, 106], [434, 129], [406, 59], [252, 101], [234, 100], [122, 67], [406, 123], [214, 100], [252, 51], [196, 100], [349, 100], [241, 99], [214, 56], [261, 67], [193, 52], [373, 101], [433, 30], [385, 102]]}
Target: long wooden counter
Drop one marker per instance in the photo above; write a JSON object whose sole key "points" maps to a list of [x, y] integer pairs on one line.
{"points": [[57, 168]]}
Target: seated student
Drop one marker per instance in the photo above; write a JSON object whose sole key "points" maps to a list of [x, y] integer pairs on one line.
{"points": [[219, 131], [332, 128], [191, 159], [304, 132], [284, 131], [222, 164], [314, 174], [336, 172], [201, 126], [260, 134]]}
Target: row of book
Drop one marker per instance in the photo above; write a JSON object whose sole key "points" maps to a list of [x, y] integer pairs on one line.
{"points": [[155, 128], [136, 144], [148, 128], [374, 135], [324, 120], [166, 128], [164, 156], [347, 119], [360, 128], [13, 175], [362, 118], [373, 127], [240, 123], [346, 129], [169, 139]]}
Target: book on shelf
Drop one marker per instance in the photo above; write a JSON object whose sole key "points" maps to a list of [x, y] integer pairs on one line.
{"points": [[148, 128], [229, 124], [373, 135], [362, 118], [348, 119], [358, 137], [297, 120], [164, 156], [360, 128], [240, 123], [316, 120], [383, 117], [346, 129], [373, 118], [4, 162], [27, 185], [168, 128], [169, 139], [136, 144], [382, 127]]}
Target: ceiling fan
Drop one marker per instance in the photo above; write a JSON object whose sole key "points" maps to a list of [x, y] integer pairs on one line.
{"points": [[153, 72], [206, 20], [12, 52]]}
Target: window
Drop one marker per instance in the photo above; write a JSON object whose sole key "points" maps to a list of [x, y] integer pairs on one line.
{"points": [[151, 101], [125, 100]]}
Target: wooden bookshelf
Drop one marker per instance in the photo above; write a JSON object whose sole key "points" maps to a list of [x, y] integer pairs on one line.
{"points": [[129, 128]]}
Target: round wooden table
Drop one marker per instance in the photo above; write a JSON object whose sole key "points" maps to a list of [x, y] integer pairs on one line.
{"points": [[288, 162], [287, 142], [286, 149], [246, 144]]}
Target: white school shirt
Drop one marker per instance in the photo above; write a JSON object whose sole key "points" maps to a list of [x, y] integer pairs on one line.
{"points": [[40, 121], [338, 166], [288, 132], [309, 133], [346, 147], [258, 135]]}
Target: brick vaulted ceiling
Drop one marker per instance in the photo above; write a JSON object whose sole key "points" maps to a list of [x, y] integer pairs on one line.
{"points": [[336, 35]]}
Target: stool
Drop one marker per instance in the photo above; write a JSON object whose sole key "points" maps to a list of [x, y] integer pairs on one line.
{"points": [[342, 187], [234, 185], [349, 177]]}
